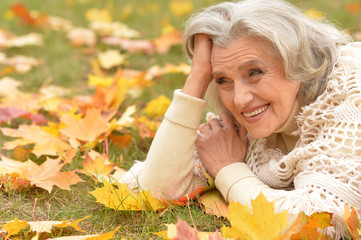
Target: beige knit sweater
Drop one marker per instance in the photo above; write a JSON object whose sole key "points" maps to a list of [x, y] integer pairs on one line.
{"points": [[321, 173]]}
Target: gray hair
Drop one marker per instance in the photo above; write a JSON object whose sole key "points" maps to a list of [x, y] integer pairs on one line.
{"points": [[308, 48]]}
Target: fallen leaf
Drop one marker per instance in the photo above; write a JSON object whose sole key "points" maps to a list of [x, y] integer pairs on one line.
{"points": [[7, 114], [314, 14], [214, 203], [82, 36], [110, 58], [115, 29], [121, 198], [307, 227], [164, 42], [354, 7], [126, 120], [73, 224], [87, 129], [131, 45], [98, 15], [49, 174], [21, 64], [26, 17], [263, 223], [9, 87], [157, 107], [97, 164], [14, 227], [105, 236], [121, 141], [44, 143], [352, 222], [181, 8]]}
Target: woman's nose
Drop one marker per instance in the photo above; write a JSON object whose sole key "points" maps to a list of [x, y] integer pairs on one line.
{"points": [[242, 95]]}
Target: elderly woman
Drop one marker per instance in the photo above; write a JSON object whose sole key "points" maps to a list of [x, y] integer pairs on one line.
{"points": [[288, 91]]}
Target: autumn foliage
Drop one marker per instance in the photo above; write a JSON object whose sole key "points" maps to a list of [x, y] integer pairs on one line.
{"points": [[55, 138]]}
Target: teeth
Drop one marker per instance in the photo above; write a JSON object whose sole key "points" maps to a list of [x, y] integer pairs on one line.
{"points": [[255, 112]]}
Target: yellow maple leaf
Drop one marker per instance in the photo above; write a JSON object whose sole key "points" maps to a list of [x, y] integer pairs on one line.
{"points": [[105, 236], [262, 224], [14, 227], [121, 198], [73, 224], [95, 81], [181, 7], [157, 107], [110, 58], [98, 15]]}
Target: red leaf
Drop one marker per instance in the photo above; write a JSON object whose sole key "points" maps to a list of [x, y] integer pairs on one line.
{"points": [[9, 113], [26, 17]]}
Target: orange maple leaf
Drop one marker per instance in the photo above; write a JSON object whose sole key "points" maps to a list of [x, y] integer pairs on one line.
{"points": [[352, 222], [26, 17], [87, 129], [45, 143], [49, 174], [307, 227], [95, 164]]}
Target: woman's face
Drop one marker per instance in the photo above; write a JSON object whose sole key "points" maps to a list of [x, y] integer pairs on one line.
{"points": [[252, 85]]}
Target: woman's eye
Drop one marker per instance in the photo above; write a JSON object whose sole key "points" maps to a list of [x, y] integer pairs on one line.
{"points": [[255, 72], [220, 80]]}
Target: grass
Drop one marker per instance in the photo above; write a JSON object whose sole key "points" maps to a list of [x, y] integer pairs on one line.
{"points": [[67, 66]]}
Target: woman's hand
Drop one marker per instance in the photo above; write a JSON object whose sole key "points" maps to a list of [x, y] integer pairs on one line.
{"points": [[201, 72], [219, 144]]}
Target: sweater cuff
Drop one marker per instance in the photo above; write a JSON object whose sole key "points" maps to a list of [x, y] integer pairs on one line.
{"points": [[186, 110], [228, 176]]}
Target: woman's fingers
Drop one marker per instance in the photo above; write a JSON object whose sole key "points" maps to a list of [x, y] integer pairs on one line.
{"points": [[227, 121]]}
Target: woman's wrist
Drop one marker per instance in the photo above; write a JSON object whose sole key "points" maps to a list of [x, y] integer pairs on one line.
{"points": [[196, 85]]}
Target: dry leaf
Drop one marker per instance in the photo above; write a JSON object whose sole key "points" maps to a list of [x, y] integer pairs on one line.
{"points": [[105, 236], [45, 143], [354, 7], [157, 107], [9, 87], [110, 58], [21, 64], [96, 164], [121, 198], [214, 203], [352, 222], [82, 36], [98, 15], [164, 42], [181, 8], [131, 45], [121, 141], [14, 227], [263, 223], [8, 114], [87, 129], [307, 227], [49, 174], [29, 18], [115, 29], [314, 14]]}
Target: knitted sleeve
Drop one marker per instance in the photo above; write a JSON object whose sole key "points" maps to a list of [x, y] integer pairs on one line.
{"points": [[324, 168], [169, 171]]}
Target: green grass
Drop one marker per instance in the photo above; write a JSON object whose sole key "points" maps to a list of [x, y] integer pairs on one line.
{"points": [[68, 67]]}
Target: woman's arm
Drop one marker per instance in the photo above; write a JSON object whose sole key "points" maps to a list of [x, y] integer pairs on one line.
{"points": [[168, 171]]}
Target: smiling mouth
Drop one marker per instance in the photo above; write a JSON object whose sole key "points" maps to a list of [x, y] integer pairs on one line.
{"points": [[256, 112]]}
